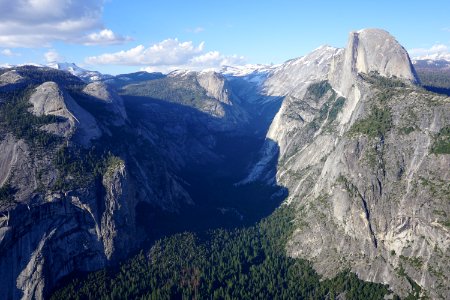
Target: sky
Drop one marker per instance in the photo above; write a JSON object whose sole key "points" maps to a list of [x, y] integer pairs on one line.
{"points": [[118, 36]]}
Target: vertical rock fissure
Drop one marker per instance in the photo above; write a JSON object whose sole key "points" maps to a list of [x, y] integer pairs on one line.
{"points": [[380, 186], [369, 224]]}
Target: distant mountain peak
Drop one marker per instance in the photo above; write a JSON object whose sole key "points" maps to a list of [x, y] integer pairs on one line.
{"points": [[66, 66], [441, 56], [85, 75], [245, 70]]}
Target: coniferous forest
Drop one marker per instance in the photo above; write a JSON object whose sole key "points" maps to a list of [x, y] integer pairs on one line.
{"points": [[246, 263]]}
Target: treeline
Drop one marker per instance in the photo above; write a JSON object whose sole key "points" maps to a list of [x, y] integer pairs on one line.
{"points": [[184, 91], [16, 118], [248, 263], [441, 143], [79, 167], [39, 75], [438, 78]]}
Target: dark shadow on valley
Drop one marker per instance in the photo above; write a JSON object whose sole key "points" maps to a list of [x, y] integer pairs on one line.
{"points": [[209, 178], [438, 90]]}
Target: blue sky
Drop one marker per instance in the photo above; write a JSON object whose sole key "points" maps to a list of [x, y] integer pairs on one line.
{"points": [[117, 36]]}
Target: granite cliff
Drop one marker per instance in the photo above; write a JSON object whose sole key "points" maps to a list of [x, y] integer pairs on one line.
{"points": [[90, 172], [357, 148]]}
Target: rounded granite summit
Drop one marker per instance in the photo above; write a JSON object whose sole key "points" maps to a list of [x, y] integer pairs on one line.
{"points": [[376, 50]]}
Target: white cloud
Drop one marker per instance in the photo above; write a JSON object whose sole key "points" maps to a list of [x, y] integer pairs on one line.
{"points": [[53, 56], [36, 23], [166, 56], [104, 37], [9, 53], [437, 51], [169, 51]]}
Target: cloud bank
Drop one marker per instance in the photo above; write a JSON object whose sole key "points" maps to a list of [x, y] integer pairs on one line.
{"points": [[166, 56], [53, 56], [9, 53], [37, 23], [437, 51]]}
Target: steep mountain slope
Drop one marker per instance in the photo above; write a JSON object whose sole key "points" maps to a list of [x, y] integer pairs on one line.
{"points": [[55, 219], [88, 175], [122, 80], [434, 74], [90, 172], [358, 151], [83, 74], [207, 92]]}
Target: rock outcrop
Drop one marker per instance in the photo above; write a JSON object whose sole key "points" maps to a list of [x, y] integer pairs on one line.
{"points": [[354, 146], [114, 103], [215, 86], [71, 206], [49, 99], [118, 218], [10, 77], [351, 137], [205, 92], [371, 51]]}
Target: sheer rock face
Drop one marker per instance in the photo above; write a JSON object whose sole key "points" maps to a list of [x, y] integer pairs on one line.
{"points": [[10, 77], [294, 76], [367, 51], [375, 50], [10, 149], [218, 99], [215, 86], [364, 202], [48, 231], [46, 238], [373, 200], [42, 243], [374, 203], [114, 103], [118, 217], [49, 99]]}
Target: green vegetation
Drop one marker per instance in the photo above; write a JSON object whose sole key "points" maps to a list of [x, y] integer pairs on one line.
{"points": [[319, 89], [383, 82], [440, 189], [376, 124], [439, 78], [15, 118], [248, 263], [79, 167], [7, 193], [436, 271], [385, 95], [415, 262], [335, 109], [416, 290], [406, 130], [330, 109], [445, 223], [441, 144], [372, 156], [39, 75], [352, 190], [327, 112], [112, 163], [185, 91]]}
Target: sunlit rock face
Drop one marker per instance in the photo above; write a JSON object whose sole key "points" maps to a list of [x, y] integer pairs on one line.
{"points": [[354, 140]]}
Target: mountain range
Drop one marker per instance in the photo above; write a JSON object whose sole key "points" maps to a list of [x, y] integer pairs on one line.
{"points": [[353, 141]]}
